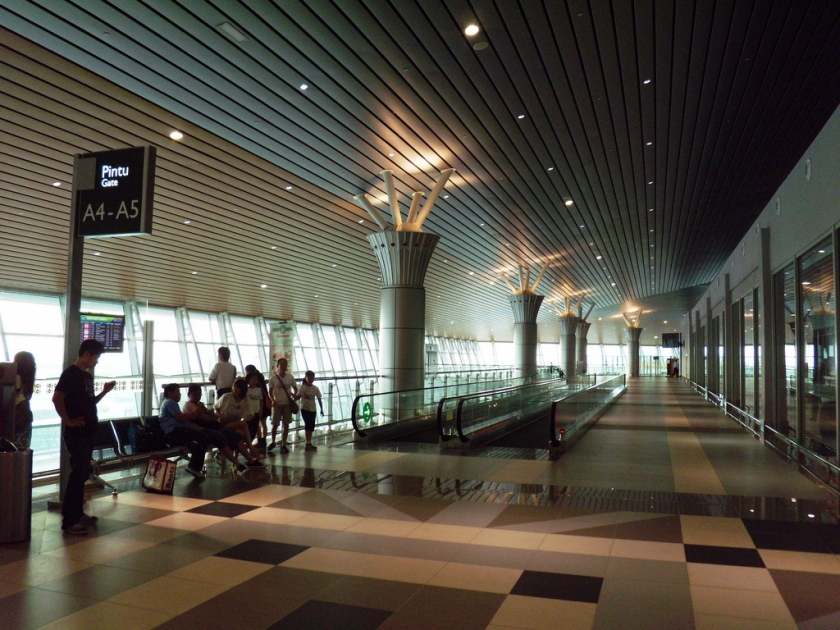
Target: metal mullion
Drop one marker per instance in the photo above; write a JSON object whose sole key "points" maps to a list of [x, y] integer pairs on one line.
{"points": [[188, 328], [835, 250], [180, 315], [799, 340], [262, 346], [3, 341]]}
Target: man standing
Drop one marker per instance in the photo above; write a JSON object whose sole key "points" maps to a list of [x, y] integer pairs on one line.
{"points": [[75, 401]]}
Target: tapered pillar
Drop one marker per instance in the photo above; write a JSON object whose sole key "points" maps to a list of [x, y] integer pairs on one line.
{"points": [[568, 346], [631, 335], [525, 309], [403, 259], [582, 331]]}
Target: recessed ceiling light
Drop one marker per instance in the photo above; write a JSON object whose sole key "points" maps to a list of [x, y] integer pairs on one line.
{"points": [[472, 273], [822, 251], [651, 210], [472, 29], [263, 286], [646, 81], [649, 143], [569, 202], [550, 168], [288, 187], [446, 196], [274, 247], [581, 226], [56, 184], [187, 222], [600, 318], [649, 183], [361, 220], [651, 230], [231, 31], [391, 154], [445, 261], [176, 135], [806, 283], [316, 296], [452, 322], [96, 253], [521, 116], [481, 225], [195, 273], [598, 257], [613, 284], [665, 322], [304, 86]]}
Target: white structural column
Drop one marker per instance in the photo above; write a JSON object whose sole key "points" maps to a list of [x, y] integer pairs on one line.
{"points": [[525, 309], [403, 259], [632, 334], [403, 253], [568, 346], [582, 331]]}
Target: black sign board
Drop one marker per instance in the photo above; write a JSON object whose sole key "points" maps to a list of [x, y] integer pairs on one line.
{"points": [[114, 192], [106, 329], [672, 340]]}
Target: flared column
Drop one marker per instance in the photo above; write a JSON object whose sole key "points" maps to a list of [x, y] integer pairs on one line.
{"points": [[525, 309], [582, 331], [568, 346], [403, 259], [631, 335]]}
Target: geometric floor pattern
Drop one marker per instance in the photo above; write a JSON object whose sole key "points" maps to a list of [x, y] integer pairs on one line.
{"points": [[681, 523]]}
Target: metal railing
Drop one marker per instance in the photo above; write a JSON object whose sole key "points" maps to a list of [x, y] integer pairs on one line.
{"points": [[573, 413]]}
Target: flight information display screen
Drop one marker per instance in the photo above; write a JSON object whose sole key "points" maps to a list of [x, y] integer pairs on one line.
{"points": [[106, 329]]}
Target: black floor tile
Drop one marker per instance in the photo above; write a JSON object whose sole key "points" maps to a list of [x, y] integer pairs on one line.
{"points": [[790, 536], [262, 551], [576, 588], [318, 615], [217, 508], [731, 556], [784, 542]]}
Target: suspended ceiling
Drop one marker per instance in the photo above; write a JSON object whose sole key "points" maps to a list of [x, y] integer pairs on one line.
{"points": [[667, 126]]}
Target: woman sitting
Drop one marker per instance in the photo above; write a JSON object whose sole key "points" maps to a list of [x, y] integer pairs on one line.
{"points": [[234, 412]]}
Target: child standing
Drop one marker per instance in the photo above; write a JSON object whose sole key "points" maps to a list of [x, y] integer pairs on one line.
{"points": [[307, 395]]}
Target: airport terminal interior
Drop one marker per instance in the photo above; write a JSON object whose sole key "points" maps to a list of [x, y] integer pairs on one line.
{"points": [[565, 272]]}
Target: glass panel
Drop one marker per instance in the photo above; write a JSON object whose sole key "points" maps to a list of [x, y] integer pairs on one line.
{"points": [[749, 355], [164, 319], [33, 314], [205, 327], [817, 308], [784, 302], [304, 335], [48, 352], [245, 332], [759, 363]]}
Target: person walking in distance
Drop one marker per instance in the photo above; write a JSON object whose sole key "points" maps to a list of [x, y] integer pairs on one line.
{"points": [[223, 373], [75, 402], [307, 395], [283, 389]]}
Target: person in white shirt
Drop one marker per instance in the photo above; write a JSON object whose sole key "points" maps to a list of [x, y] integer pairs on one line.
{"points": [[281, 387], [223, 373], [234, 412], [307, 395]]}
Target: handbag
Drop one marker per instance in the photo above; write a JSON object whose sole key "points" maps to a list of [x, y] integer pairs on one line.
{"points": [[293, 406], [160, 475]]}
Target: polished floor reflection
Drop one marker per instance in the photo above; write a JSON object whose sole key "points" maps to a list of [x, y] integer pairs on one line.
{"points": [[347, 538]]}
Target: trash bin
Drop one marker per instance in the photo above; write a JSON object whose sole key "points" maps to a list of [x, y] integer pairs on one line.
{"points": [[15, 496]]}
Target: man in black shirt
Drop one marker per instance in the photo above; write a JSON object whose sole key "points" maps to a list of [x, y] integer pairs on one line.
{"points": [[75, 402]]}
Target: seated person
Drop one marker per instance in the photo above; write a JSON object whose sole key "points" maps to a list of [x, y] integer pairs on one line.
{"points": [[181, 430], [207, 419], [234, 412]]}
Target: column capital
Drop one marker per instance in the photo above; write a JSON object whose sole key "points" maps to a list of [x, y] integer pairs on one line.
{"points": [[631, 335], [403, 257], [568, 324], [525, 307], [583, 328]]}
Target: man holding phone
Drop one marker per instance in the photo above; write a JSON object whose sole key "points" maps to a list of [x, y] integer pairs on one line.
{"points": [[75, 401]]}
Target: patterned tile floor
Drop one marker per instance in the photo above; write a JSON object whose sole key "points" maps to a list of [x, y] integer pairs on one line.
{"points": [[353, 539]]}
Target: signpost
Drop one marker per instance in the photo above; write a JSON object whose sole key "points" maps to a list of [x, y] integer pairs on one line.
{"points": [[282, 341], [113, 195], [367, 412]]}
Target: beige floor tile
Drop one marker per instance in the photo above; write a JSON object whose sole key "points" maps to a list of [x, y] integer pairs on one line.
{"points": [[278, 516], [476, 578], [413, 570], [187, 521], [719, 622], [319, 520], [536, 613], [384, 527], [445, 533], [693, 471], [520, 471], [717, 537], [99, 550], [265, 495], [739, 603], [643, 550], [510, 539], [800, 561], [38, 569], [168, 595], [156, 501], [222, 571], [716, 575], [363, 462], [107, 616], [10, 588], [328, 560], [577, 544], [712, 522]]}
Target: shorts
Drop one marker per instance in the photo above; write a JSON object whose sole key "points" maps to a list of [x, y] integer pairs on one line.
{"points": [[281, 412], [308, 419]]}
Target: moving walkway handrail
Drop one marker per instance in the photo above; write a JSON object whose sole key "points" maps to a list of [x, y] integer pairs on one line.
{"points": [[489, 392], [553, 435]]}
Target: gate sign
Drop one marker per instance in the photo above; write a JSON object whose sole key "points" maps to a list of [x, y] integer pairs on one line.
{"points": [[114, 192]]}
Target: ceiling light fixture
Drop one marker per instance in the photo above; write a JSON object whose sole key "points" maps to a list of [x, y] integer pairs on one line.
{"points": [[96, 253], [361, 220], [263, 286], [822, 251], [649, 183], [335, 265], [472, 273], [598, 257], [649, 143], [472, 29], [231, 31], [195, 273], [56, 184], [187, 222], [446, 196], [288, 187], [391, 154], [806, 283], [304, 86], [550, 168], [176, 135], [274, 247], [521, 116], [646, 81], [569, 202]]}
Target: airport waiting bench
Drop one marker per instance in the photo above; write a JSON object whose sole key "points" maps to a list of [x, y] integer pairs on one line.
{"points": [[112, 447]]}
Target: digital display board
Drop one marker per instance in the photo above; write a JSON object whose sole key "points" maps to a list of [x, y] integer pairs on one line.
{"points": [[106, 329], [671, 340], [114, 192]]}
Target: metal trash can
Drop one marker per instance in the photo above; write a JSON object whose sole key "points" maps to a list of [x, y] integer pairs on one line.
{"points": [[15, 496]]}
